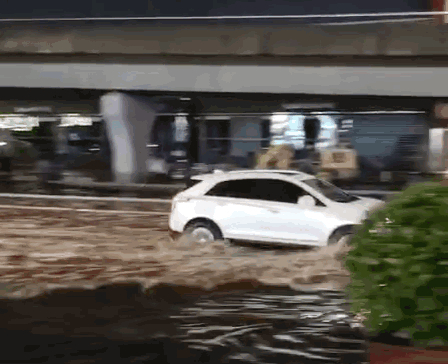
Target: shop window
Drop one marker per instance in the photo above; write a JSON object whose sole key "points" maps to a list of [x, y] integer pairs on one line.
{"points": [[218, 138], [162, 136]]}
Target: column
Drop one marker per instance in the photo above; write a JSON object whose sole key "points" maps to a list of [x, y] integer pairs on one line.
{"points": [[129, 120], [445, 151], [441, 121], [60, 136]]}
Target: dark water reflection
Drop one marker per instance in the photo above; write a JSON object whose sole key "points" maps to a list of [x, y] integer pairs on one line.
{"points": [[175, 324]]}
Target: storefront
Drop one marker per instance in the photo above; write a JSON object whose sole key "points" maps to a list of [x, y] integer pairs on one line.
{"points": [[232, 138]]}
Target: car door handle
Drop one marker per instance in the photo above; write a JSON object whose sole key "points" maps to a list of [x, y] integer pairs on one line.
{"points": [[274, 211]]}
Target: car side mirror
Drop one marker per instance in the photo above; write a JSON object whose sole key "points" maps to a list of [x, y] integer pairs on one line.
{"points": [[306, 201]]}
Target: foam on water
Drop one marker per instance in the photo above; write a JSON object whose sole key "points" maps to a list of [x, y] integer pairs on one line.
{"points": [[94, 250], [192, 263]]}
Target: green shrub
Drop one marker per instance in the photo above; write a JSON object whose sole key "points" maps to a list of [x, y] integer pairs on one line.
{"points": [[399, 266]]}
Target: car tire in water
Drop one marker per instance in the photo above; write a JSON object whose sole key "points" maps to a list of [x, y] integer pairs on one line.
{"points": [[345, 232], [203, 232]]}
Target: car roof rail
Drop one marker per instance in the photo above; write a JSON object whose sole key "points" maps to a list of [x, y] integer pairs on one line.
{"points": [[204, 176], [266, 171]]}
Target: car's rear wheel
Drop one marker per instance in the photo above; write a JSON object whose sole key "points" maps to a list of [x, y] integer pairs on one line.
{"points": [[203, 232]]}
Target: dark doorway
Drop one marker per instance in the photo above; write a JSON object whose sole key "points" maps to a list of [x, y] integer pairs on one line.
{"points": [[312, 129], [193, 149]]}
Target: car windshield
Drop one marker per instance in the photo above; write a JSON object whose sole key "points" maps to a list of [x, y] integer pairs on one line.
{"points": [[329, 191]]}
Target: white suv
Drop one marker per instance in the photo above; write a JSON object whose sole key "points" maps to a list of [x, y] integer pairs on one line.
{"points": [[270, 206]]}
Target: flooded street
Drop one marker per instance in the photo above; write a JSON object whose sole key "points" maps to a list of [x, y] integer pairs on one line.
{"points": [[92, 288], [46, 249]]}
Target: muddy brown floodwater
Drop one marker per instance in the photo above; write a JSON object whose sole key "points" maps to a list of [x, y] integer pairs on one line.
{"points": [[42, 250], [82, 287]]}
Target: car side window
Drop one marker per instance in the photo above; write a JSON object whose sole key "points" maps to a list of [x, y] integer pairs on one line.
{"points": [[276, 190], [234, 188], [260, 189], [279, 191]]}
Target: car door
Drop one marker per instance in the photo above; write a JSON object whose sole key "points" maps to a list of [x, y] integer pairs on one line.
{"points": [[288, 222], [236, 213]]}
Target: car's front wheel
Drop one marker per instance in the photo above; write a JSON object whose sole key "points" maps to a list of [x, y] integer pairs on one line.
{"points": [[203, 232], [345, 232]]}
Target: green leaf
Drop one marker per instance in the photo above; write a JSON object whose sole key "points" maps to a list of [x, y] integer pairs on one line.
{"points": [[367, 261], [435, 342], [423, 257], [415, 269], [426, 304], [394, 261]]}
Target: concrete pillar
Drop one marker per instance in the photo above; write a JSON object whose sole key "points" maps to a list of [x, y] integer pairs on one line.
{"points": [[60, 136], [445, 152], [441, 121], [129, 120]]}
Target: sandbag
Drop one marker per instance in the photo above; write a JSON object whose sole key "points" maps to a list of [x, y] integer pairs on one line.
{"points": [[277, 157]]}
